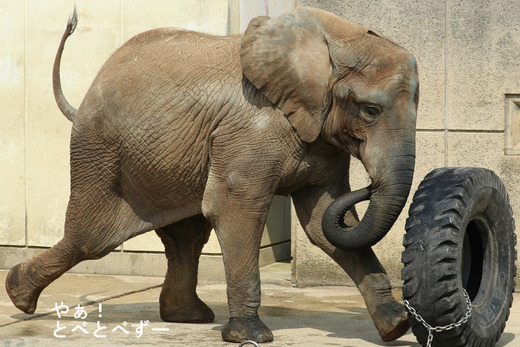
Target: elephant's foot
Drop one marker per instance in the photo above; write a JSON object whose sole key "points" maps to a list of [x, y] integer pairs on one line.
{"points": [[23, 295], [239, 329], [391, 321], [389, 316], [197, 312]]}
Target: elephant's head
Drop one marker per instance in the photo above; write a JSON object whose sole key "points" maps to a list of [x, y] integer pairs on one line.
{"points": [[353, 88]]}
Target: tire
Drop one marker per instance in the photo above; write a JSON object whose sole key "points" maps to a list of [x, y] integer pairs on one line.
{"points": [[460, 234]]}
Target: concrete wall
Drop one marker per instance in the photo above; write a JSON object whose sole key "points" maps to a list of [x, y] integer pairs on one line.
{"points": [[468, 54]]}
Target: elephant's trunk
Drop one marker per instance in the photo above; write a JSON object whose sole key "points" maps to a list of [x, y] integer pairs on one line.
{"points": [[387, 199]]}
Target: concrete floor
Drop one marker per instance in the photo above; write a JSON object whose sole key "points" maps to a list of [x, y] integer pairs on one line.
{"points": [[320, 316]]}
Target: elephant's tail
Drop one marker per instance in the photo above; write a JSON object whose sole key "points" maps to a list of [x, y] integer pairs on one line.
{"points": [[67, 109]]}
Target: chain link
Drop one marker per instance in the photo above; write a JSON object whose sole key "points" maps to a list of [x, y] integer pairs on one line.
{"points": [[248, 342], [439, 329]]}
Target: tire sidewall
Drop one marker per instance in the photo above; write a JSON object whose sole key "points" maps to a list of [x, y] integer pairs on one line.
{"points": [[490, 305]]}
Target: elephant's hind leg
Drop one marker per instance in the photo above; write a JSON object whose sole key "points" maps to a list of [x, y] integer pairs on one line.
{"points": [[91, 231], [183, 242], [25, 281], [93, 228], [97, 221]]}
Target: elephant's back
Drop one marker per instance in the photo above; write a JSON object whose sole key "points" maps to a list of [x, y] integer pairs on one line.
{"points": [[180, 56], [165, 78]]}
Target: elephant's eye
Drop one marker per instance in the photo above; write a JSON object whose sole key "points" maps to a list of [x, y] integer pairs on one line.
{"points": [[371, 111]]}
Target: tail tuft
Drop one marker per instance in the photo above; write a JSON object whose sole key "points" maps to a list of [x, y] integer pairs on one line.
{"points": [[73, 21]]}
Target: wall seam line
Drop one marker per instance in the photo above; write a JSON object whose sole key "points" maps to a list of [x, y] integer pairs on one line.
{"points": [[26, 229], [121, 24], [445, 82]]}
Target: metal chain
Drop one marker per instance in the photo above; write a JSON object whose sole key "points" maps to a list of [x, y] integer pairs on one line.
{"points": [[439, 329], [248, 342]]}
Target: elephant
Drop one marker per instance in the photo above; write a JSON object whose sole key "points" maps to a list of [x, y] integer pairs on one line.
{"points": [[183, 132]]}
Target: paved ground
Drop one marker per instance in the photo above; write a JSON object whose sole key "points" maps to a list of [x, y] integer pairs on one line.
{"points": [[129, 315]]}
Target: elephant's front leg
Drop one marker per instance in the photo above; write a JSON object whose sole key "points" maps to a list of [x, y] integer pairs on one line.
{"points": [[371, 279], [240, 248], [239, 218], [362, 266]]}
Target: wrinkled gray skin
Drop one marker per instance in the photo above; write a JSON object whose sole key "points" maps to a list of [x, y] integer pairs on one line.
{"points": [[181, 132]]}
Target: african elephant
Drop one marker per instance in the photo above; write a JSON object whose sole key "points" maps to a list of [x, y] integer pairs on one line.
{"points": [[182, 132]]}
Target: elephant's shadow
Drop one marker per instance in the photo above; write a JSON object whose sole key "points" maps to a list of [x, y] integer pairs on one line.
{"points": [[352, 323]]}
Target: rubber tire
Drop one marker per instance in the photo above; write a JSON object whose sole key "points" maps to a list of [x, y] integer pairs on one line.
{"points": [[460, 234]]}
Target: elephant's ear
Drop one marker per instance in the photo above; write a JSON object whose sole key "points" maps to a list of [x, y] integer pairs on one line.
{"points": [[287, 58]]}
